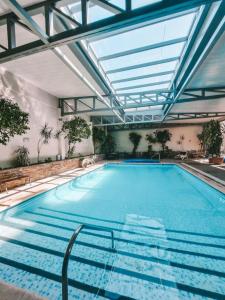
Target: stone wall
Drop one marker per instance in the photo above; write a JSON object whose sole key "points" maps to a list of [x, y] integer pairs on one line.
{"points": [[40, 171]]}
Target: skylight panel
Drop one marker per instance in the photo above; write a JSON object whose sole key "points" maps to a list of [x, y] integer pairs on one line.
{"points": [[143, 71], [143, 89], [163, 31], [142, 81], [95, 12], [144, 57]]}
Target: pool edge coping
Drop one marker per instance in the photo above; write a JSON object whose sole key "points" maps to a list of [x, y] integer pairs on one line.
{"points": [[212, 181]]}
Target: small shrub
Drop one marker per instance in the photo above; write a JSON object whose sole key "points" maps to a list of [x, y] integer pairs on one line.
{"points": [[48, 160], [22, 157]]}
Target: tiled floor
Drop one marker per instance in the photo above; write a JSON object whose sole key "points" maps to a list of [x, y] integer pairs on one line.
{"points": [[214, 170], [19, 194]]}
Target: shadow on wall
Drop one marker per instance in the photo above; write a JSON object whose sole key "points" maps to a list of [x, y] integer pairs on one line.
{"points": [[41, 106]]}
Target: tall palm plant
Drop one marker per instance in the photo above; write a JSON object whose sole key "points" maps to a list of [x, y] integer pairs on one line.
{"points": [[135, 140], [45, 136]]}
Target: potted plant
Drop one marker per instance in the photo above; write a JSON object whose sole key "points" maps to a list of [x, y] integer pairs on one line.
{"points": [[213, 139], [109, 146], [13, 121], [45, 136], [162, 137], [151, 140], [135, 140], [74, 131], [98, 136], [22, 157]]}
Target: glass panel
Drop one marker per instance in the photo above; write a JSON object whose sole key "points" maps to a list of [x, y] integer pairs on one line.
{"points": [[119, 3], [75, 10], [152, 88], [170, 29], [143, 71], [143, 57], [142, 81], [95, 12]]}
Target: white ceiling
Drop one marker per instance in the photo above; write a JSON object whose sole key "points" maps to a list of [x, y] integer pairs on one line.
{"points": [[46, 71]]}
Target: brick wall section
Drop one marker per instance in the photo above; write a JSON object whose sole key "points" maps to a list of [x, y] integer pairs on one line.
{"points": [[41, 171]]}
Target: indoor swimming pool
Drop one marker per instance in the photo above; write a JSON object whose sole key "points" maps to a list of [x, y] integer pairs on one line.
{"points": [[169, 232]]}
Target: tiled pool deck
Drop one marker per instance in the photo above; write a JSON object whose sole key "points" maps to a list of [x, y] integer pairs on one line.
{"points": [[211, 174]]}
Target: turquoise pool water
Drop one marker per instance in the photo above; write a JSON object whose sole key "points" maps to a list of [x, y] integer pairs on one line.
{"points": [[169, 231]]}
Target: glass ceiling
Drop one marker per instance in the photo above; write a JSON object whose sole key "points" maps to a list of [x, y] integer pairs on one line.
{"points": [[143, 59]]}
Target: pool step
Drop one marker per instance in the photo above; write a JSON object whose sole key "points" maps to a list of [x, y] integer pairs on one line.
{"points": [[138, 266], [138, 286]]}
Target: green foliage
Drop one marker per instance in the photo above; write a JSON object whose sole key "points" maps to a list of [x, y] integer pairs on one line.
{"points": [[163, 137], [151, 140], [13, 121], [22, 157], [109, 144], [48, 160], [98, 136], [74, 131], [45, 136], [211, 137], [135, 140]]}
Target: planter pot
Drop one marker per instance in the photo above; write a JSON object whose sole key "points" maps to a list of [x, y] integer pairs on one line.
{"points": [[216, 160]]}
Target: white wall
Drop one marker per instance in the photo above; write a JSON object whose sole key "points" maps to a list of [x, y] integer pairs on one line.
{"points": [[42, 107], [190, 142]]}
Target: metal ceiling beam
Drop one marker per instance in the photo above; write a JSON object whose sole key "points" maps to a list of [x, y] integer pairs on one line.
{"points": [[148, 64], [49, 22], [155, 11], [27, 19], [66, 17], [23, 15], [145, 48], [128, 101], [132, 87], [80, 53], [211, 35], [137, 126], [193, 115], [151, 117], [11, 33], [143, 77], [129, 118]]}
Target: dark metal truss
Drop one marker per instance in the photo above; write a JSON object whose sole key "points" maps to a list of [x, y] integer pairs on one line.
{"points": [[212, 33], [127, 17], [135, 126], [152, 117], [90, 104]]}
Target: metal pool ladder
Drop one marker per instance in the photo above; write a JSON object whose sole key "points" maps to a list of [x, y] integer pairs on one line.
{"points": [[69, 250]]}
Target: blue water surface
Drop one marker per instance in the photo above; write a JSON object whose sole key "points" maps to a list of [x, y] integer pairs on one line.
{"points": [[169, 231]]}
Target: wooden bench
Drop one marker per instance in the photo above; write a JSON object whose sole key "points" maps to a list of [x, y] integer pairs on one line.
{"points": [[12, 177]]}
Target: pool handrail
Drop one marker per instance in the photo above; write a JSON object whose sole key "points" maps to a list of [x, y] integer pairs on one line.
{"points": [[69, 250]]}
